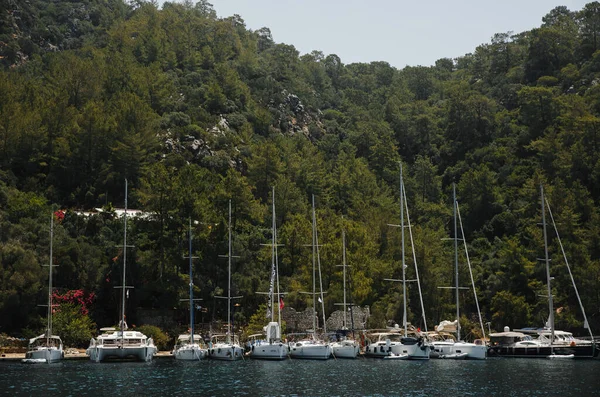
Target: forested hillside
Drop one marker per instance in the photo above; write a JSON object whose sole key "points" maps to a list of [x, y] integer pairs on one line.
{"points": [[195, 110]]}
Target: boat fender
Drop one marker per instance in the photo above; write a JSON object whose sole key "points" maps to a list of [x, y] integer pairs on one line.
{"points": [[573, 344]]}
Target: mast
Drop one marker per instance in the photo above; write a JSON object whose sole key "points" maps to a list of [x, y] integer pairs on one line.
{"points": [[49, 329], [412, 245], [404, 321], [229, 280], [344, 267], [462, 233], [314, 247], [548, 278], [191, 287], [273, 242], [454, 205], [321, 298], [276, 265], [124, 266]]}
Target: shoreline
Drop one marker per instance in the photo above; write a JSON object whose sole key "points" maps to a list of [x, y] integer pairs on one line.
{"points": [[17, 357]]}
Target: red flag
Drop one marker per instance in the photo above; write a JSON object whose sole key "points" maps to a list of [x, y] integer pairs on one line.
{"points": [[281, 304]]}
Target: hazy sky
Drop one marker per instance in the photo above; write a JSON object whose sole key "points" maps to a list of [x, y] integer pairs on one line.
{"points": [[396, 31]]}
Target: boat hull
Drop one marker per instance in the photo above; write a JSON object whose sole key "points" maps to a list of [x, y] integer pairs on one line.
{"points": [[44, 355], [269, 351], [578, 351], [414, 351], [310, 351], [340, 350], [226, 352], [101, 353], [190, 353], [446, 349]]}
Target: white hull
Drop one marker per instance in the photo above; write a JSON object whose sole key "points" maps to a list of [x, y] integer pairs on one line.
{"points": [[266, 351], [382, 349], [474, 352], [44, 355], [347, 349], [190, 353], [310, 350], [226, 352], [101, 353]]}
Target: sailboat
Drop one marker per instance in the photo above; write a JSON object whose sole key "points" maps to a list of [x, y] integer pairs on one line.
{"points": [[189, 347], [313, 347], [270, 346], [546, 342], [46, 348], [447, 347], [345, 347], [393, 344], [121, 343], [227, 346]]}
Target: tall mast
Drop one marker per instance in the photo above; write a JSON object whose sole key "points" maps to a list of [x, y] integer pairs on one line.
{"points": [[229, 281], [314, 254], [124, 264], [344, 267], [276, 264], [49, 330], [548, 278], [273, 242], [321, 298], [404, 320], [454, 204], [191, 287]]}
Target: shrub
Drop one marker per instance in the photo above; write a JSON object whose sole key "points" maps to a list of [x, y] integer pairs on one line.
{"points": [[74, 328], [161, 339]]}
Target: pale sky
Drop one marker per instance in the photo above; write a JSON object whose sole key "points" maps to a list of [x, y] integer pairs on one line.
{"points": [[399, 32]]}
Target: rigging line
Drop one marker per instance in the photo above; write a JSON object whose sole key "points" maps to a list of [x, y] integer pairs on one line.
{"points": [[412, 243], [462, 233], [569, 269], [320, 279]]}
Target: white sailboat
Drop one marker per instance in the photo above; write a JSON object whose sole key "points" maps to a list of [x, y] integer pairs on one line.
{"points": [[345, 347], [46, 348], [270, 346], [227, 347], [415, 347], [448, 347], [313, 347], [121, 343], [550, 342], [190, 347]]}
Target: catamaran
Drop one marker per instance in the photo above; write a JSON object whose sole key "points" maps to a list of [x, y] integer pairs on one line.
{"points": [[345, 347], [46, 348], [121, 343], [190, 347], [270, 346], [227, 346], [550, 342], [313, 347], [448, 347]]}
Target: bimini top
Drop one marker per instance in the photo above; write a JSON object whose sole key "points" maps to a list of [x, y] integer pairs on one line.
{"points": [[186, 337], [33, 340]]}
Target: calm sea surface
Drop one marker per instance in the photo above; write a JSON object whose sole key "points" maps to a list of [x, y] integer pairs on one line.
{"points": [[361, 377]]}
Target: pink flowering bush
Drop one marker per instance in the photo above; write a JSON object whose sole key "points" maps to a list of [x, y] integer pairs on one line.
{"points": [[77, 297]]}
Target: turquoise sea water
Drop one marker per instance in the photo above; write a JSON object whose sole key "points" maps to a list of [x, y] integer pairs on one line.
{"points": [[361, 377]]}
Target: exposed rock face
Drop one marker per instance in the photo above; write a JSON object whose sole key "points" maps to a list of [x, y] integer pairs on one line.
{"points": [[302, 321], [293, 117]]}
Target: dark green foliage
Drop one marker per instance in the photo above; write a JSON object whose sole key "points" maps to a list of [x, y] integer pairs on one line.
{"points": [[195, 111]]}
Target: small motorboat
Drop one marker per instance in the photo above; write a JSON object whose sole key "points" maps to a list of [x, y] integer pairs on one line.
{"points": [[455, 356], [561, 356], [394, 356]]}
